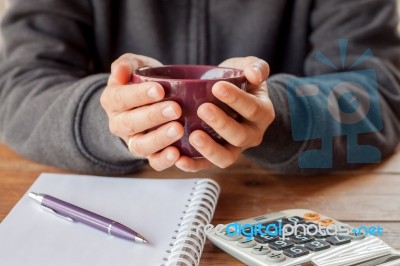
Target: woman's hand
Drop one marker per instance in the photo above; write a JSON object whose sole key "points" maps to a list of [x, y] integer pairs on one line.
{"points": [[134, 108], [254, 106]]}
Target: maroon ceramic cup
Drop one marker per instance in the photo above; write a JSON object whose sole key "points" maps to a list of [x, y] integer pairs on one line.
{"points": [[190, 86]]}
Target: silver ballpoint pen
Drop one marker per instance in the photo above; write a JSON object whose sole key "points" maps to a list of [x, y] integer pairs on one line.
{"points": [[74, 213]]}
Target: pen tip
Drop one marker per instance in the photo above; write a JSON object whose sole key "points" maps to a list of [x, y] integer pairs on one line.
{"points": [[140, 239]]}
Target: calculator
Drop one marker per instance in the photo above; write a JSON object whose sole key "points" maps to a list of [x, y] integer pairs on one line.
{"points": [[303, 238]]}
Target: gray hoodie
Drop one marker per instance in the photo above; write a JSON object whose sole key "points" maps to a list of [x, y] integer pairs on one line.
{"points": [[57, 54]]}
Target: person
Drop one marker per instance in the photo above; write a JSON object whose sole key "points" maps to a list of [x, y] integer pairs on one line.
{"points": [[59, 105]]}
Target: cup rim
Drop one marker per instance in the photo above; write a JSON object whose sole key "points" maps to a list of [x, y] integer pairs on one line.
{"points": [[240, 76]]}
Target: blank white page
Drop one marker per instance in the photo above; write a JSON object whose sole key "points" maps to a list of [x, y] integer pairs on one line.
{"points": [[30, 235]]}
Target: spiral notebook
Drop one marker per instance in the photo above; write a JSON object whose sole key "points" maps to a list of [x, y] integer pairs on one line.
{"points": [[170, 213]]}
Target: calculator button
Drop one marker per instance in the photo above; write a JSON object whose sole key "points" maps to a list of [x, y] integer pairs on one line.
{"points": [[311, 216], [275, 257], [260, 250], [276, 223], [225, 236], [317, 245], [307, 225], [296, 251], [311, 229], [301, 239], [317, 231], [338, 240], [244, 243], [326, 222], [281, 244], [357, 236], [248, 230], [271, 228], [271, 233], [265, 239], [292, 220], [320, 236], [269, 217]]}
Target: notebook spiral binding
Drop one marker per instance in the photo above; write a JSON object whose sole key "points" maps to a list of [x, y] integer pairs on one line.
{"points": [[190, 236]]}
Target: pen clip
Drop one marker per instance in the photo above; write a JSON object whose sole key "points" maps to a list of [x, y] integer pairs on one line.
{"points": [[69, 219]]}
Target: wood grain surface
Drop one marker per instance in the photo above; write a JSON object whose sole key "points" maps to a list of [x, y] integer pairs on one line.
{"points": [[368, 196]]}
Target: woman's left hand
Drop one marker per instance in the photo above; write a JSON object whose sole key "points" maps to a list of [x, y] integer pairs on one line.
{"points": [[254, 106]]}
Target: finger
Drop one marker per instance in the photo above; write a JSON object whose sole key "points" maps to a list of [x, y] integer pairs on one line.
{"points": [[255, 69], [137, 60], [123, 67], [143, 118], [234, 62], [164, 159], [192, 165], [119, 98], [121, 73], [249, 106], [146, 144], [221, 156], [237, 134]]}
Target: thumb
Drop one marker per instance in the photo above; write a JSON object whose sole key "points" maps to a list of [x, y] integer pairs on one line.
{"points": [[123, 67], [121, 73], [255, 69]]}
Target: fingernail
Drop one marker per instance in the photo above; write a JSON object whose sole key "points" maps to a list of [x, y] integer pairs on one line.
{"points": [[113, 67], [199, 142], [168, 112], [119, 64], [257, 67], [222, 91], [172, 132], [170, 156], [153, 93], [208, 113], [181, 166]]}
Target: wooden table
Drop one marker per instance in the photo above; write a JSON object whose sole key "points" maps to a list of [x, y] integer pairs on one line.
{"points": [[369, 196]]}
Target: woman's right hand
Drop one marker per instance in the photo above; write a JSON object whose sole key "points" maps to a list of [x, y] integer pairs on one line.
{"points": [[134, 108]]}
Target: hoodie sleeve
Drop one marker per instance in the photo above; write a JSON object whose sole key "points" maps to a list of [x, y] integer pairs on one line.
{"points": [[49, 97], [365, 24]]}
